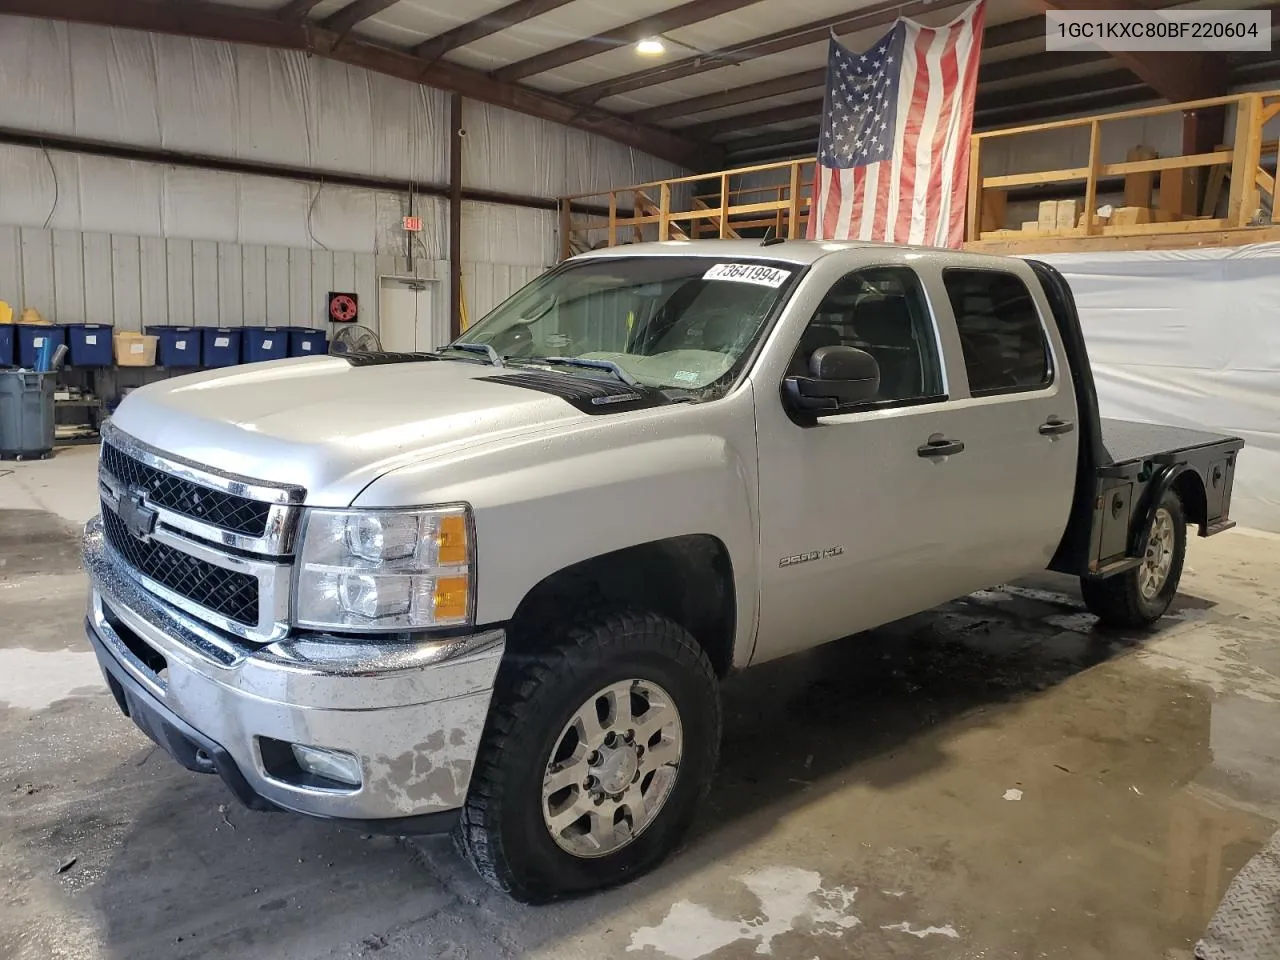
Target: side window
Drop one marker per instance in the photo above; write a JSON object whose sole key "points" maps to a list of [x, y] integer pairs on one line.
{"points": [[1004, 344], [883, 311]]}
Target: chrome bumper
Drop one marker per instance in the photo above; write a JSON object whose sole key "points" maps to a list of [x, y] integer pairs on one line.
{"points": [[412, 713]]}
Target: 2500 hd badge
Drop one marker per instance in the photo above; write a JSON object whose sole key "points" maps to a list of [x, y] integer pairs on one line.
{"points": [[826, 554]]}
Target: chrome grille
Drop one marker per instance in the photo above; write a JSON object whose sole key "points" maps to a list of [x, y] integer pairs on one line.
{"points": [[232, 594], [186, 497], [216, 546]]}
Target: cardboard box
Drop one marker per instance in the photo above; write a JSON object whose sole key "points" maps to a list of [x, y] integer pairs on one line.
{"points": [[135, 350], [1030, 226], [1130, 216], [1138, 186], [994, 207], [1069, 213], [1179, 191], [1048, 219], [1098, 221]]}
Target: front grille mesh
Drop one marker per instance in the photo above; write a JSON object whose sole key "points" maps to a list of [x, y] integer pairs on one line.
{"points": [[233, 595], [225, 510]]}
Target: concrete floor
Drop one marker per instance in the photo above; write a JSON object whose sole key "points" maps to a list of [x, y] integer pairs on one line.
{"points": [[992, 779]]}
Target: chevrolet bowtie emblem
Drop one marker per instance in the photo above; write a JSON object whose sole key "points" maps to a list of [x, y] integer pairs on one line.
{"points": [[138, 519]]}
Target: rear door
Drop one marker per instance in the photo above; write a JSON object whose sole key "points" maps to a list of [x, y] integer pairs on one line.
{"points": [[1021, 410]]}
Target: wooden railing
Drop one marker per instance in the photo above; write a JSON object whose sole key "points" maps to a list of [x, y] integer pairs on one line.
{"points": [[726, 203], [645, 211], [1238, 164]]}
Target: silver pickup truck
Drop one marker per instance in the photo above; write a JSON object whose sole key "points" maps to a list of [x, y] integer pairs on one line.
{"points": [[492, 589]]}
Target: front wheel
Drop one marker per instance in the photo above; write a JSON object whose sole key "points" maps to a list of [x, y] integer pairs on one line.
{"points": [[597, 751], [1139, 597]]}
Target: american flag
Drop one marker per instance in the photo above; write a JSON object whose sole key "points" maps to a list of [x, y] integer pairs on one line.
{"points": [[893, 157]]}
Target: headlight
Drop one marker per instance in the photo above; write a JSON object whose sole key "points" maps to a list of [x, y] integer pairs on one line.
{"points": [[386, 570]]}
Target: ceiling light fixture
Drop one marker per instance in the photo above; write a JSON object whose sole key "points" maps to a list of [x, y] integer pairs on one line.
{"points": [[651, 47]]}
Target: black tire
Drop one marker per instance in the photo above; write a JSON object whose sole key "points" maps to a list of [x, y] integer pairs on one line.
{"points": [[1118, 601], [502, 831]]}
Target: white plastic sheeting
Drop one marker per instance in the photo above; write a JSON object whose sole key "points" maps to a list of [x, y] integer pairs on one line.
{"points": [[1191, 338], [199, 96], [503, 248]]}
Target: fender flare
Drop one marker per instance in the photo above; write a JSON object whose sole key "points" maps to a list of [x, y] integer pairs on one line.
{"points": [[1160, 484]]}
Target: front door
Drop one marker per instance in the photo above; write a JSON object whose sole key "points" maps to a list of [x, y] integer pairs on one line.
{"points": [[859, 515]]}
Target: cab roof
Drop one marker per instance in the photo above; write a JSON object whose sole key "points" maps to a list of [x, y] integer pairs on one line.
{"points": [[789, 251]]}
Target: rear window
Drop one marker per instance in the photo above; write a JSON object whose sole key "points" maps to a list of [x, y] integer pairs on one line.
{"points": [[1003, 340]]}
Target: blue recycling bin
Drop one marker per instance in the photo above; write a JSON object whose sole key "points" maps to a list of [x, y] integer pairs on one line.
{"points": [[6, 344], [33, 337], [264, 343], [307, 342], [89, 345], [176, 346], [220, 346]]}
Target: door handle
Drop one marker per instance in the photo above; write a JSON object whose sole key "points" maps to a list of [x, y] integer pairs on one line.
{"points": [[1054, 427], [940, 446]]}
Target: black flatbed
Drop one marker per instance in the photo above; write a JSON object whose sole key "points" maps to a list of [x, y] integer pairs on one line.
{"points": [[1126, 441]]}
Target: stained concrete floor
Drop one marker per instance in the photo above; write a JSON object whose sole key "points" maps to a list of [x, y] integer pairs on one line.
{"points": [[993, 779]]}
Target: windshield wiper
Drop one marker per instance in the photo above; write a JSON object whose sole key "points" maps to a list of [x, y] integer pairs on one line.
{"points": [[609, 365], [494, 357]]}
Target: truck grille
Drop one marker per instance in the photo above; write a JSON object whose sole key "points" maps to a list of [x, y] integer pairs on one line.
{"points": [[229, 593], [214, 507]]}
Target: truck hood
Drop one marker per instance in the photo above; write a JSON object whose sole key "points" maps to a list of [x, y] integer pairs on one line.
{"points": [[331, 427]]}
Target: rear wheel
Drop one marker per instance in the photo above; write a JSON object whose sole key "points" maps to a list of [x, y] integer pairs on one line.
{"points": [[597, 751], [1140, 597]]}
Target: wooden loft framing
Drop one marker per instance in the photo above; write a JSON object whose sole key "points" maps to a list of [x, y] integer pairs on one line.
{"points": [[746, 201]]}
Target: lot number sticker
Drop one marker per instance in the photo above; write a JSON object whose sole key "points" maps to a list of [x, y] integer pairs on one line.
{"points": [[748, 273]]}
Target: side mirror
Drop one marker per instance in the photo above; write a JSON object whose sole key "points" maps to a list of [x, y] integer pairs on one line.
{"points": [[839, 376]]}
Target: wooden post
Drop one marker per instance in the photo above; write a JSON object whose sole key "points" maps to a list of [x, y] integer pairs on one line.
{"points": [[974, 212], [565, 248], [455, 215], [1245, 152], [664, 211], [1091, 184], [793, 214], [724, 205], [613, 218]]}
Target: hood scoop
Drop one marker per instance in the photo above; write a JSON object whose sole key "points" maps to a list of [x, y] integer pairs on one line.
{"points": [[587, 395], [363, 359]]}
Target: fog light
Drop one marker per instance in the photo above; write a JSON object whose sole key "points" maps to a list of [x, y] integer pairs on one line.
{"points": [[330, 764]]}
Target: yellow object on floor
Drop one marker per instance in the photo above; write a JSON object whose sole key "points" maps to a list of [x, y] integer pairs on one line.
{"points": [[6, 313]]}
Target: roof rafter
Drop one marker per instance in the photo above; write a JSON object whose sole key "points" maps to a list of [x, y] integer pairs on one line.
{"points": [[693, 11], [195, 18], [812, 32], [481, 27], [343, 20], [297, 9]]}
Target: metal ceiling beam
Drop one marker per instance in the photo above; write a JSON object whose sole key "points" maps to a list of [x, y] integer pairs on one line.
{"points": [[805, 80], [1057, 96], [809, 109], [1016, 68], [481, 27], [1174, 76], [1039, 113], [297, 9], [194, 18], [777, 138], [813, 32], [343, 20], [694, 11]]}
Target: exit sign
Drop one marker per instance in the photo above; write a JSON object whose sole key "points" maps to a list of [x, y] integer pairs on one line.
{"points": [[413, 224]]}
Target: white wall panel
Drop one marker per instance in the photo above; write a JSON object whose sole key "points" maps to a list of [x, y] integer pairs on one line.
{"points": [[126, 277], [321, 285], [277, 285], [230, 285], [11, 267], [366, 286], [254, 278], [299, 288], [68, 276], [344, 273], [200, 205], [204, 281], [99, 295], [181, 285], [37, 271], [154, 264]]}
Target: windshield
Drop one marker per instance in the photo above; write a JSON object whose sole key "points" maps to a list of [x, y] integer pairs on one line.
{"points": [[683, 323]]}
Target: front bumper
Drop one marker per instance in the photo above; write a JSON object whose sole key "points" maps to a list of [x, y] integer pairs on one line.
{"points": [[411, 713]]}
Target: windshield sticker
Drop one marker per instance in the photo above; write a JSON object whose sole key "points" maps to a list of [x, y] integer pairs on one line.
{"points": [[748, 273], [685, 376]]}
